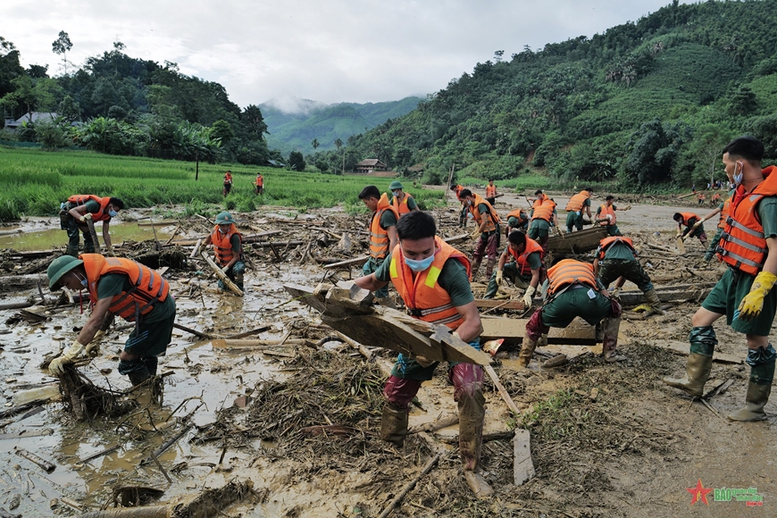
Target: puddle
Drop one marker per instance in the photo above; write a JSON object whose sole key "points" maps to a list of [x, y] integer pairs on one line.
{"points": [[45, 239]]}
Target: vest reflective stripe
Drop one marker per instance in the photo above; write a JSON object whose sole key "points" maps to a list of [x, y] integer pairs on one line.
{"points": [[222, 244], [493, 217], [607, 211], [743, 245], [401, 208], [607, 242], [148, 287], [379, 239], [522, 260], [421, 292], [687, 216], [490, 191], [544, 211], [725, 212], [569, 271], [576, 201], [100, 215]]}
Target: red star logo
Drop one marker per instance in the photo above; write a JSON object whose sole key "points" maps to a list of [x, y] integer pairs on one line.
{"points": [[699, 492]]}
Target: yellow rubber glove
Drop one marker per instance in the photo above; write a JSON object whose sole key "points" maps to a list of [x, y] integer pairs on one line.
{"points": [[475, 234], [528, 296], [499, 277], [57, 365], [86, 216], [616, 292], [93, 347], [753, 303]]}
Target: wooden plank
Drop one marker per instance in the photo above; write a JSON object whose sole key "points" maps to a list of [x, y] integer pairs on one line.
{"points": [[502, 391], [501, 304], [513, 330], [523, 467], [668, 294], [577, 242], [305, 296], [222, 276]]}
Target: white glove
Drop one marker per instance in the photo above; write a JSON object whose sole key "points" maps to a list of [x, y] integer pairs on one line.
{"points": [[616, 292], [57, 365], [93, 347], [86, 216], [528, 296], [499, 277]]}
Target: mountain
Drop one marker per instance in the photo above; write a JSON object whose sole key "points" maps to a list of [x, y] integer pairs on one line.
{"points": [[294, 123]]}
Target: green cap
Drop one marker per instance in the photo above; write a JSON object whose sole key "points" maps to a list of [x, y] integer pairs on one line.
{"points": [[224, 218], [59, 267], [395, 185]]}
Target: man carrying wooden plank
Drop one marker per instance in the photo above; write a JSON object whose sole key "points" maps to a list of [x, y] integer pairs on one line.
{"points": [[616, 260], [228, 246], [744, 294], [383, 231], [121, 287], [573, 291], [82, 207], [525, 269], [432, 278]]}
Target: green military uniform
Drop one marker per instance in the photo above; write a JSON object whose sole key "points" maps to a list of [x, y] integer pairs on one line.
{"points": [[387, 220]]}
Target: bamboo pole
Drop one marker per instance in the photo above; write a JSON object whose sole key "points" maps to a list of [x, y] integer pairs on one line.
{"points": [[223, 276]]}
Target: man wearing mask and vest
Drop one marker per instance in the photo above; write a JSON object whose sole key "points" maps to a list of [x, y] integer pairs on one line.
{"points": [[383, 231], [432, 278], [577, 204], [690, 220], [616, 260], [487, 233], [401, 201], [573, 291], [228, 246], [605, 216], [744, 294], [525, 269], [120, 287], [542, 216], [82, 207]]}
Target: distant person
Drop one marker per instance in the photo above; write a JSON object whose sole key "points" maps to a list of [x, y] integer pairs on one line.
{"points": [[402, 202], [227, 183], [82, 207], [383, 231], [486, 233], [689, 220], [605, 216], [259, 184], [491, 192], [577, 204], [517, 219], [542, 217], [228, 245], [724, 208], [525, 268]]}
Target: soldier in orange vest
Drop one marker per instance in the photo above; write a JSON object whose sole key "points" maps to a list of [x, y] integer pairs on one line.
{"points": [[577, 204], [744, 294], [690, 220], [517, 219], [491, 192], [120, 287], [543, 215], [525, 269], [227, 183], [228, 244], [81, 207], [259, 184], [432, 278], [573, 291], [605, 216], [402, 202], [487, 233], [383, 231]]}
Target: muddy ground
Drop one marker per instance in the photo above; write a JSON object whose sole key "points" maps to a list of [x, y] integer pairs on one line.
{"points": [[296, 424]]}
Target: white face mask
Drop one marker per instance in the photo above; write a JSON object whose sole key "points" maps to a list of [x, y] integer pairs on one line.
{"points": [[83, 280]]}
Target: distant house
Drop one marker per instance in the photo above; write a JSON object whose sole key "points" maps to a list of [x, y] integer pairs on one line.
{"points": [[369, 165], [275, 163], [33, 117]]}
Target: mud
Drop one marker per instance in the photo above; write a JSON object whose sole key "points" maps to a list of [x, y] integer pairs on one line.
{"points": [[300, 422]]}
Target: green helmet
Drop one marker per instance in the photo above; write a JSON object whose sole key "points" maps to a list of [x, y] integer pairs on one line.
{"points": [[59, 267], [395, 185], [224, 218]]}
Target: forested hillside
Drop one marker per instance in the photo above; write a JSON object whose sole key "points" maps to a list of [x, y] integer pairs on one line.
{"points": [[327, 123], [647, 102]]}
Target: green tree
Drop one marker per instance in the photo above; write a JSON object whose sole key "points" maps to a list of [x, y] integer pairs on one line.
{"points": [[315, 144], [253, 121], [653, 150], [222, 131], [296, 161], [62, 46], [9, 66], [31, 95]]}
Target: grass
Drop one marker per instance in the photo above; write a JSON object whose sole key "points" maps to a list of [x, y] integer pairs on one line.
{"points": [[35, 182]]}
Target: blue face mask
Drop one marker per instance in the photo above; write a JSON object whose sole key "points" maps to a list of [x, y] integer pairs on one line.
{"points": [[419, 265], [112, 213], [738, 176], [84, 281], [396, 193]]}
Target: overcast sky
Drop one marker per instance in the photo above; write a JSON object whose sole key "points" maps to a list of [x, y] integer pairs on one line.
{"points": [[329, 51]]}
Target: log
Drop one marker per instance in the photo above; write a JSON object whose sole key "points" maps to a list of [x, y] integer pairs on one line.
{"points": [[501, 304], [196, 249], [248, 333], [502, 392], [97, 247], [42, 463], [16, 305], [15, 283], [222, 343], [523, 467], [356, 261], [196, 333], [162, 223], [435, 425], [410, 485], [223, 276]]}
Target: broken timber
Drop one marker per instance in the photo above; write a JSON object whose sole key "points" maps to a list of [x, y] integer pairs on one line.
{"points": [[576, 242], [523, 467], [513, 330], [348, 309], [357, 261], [222, 276], [683, 293]]}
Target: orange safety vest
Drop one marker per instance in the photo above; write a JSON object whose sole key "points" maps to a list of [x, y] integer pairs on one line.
{"points": [[743, 244], [544, 210], [607, 242], [490, 191], [222, 244], [517, 213], [227, 178], [576, 201], [687, 217], [379, 239], [421, 292], [492, 215], [539, 201], [569, 271], [259, 181], [522, 260], [605, 211], [725, 212], [402, 207], [102, 214], [148, 287]]}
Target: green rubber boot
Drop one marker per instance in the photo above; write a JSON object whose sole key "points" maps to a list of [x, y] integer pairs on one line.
{"points": [[697, 369], [760, 387], [393, 425]]}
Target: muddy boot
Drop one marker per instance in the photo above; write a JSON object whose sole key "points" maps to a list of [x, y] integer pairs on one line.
{"points": [[72, 250], [475, 268], [238, 280], [393, 425], [610, 327], [490, 263], [151, 363], [543, 340], [655, 304], [527, 350], [492, 288], [697, 369], [139, 376], [761, 363]]}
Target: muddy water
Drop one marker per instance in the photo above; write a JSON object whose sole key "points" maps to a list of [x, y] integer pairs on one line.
{"points": [[43, 235]]}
